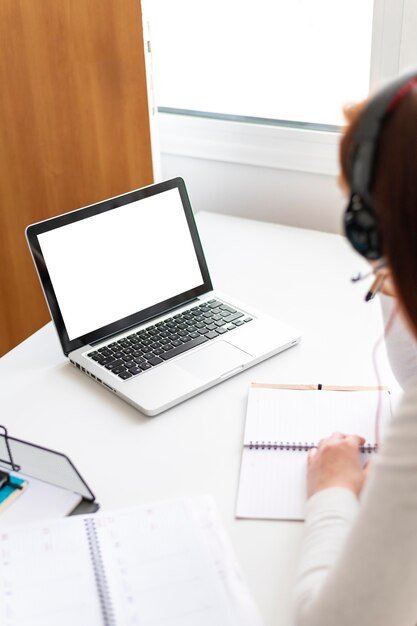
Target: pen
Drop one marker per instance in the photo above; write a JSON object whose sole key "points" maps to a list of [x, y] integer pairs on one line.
{"points": [[375, 287]]}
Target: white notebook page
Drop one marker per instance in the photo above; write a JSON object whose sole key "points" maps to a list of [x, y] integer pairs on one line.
{"points": [[272, 483], [308, 416], [46, 577], [169, 564], [165, 564]]}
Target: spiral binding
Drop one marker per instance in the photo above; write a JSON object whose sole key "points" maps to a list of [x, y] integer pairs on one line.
{"points": [[296, 446], [99, 573]]}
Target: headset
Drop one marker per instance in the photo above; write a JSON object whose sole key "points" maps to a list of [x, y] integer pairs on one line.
{"points": [[360, 221]]}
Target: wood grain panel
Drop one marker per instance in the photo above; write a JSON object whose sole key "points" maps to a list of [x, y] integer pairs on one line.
{"points": [[74, 128]]}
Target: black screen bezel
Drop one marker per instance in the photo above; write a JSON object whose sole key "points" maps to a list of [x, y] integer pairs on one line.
{"points": [[134, 319]]}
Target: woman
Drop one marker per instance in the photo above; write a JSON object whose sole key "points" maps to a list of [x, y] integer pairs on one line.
{"points": [[359, 556]]}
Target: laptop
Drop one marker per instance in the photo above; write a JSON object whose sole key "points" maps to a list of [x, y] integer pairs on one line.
{"points": [[130, 294]]}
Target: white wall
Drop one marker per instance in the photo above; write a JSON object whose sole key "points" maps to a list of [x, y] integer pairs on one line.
{"points": [[279, 175], [273, 195]]}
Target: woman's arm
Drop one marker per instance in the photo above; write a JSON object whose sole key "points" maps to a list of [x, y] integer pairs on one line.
{"points": [[359, 565], [329, 516]]}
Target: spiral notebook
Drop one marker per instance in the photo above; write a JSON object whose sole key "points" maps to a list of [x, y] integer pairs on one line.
{"points": [[282, 424], [165, 564]]}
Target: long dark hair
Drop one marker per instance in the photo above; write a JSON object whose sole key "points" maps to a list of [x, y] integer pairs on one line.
{"points": [[395, 196]]}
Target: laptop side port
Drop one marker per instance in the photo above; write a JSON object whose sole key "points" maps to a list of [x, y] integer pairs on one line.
{"points": [[108, 387]]}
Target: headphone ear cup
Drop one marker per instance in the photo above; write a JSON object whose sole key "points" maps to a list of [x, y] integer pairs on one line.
{"points": [[360, 228]]}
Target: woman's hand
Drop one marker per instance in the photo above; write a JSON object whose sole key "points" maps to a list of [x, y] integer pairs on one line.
{"points": [[387, 287], [336, 463]]}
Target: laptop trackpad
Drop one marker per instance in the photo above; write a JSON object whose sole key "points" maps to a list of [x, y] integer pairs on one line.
{"points": [[214, 361]]}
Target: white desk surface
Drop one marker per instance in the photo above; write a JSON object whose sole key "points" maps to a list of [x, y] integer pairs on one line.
{"points": [[300, 276]]}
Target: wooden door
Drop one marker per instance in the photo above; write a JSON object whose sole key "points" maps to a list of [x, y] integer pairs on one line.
{"points": [[74, 128]]}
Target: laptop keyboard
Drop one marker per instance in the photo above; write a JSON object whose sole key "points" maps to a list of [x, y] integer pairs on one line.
{"points": [[155, 344]]}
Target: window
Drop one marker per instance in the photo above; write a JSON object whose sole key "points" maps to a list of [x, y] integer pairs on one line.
{"points": [[272, 74], [297, 60]]}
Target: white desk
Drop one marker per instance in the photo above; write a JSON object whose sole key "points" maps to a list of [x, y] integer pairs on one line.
{"points": [[298, 275]]}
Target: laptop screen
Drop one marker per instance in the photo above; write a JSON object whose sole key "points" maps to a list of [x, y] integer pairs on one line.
{"points": [[109, 265]]}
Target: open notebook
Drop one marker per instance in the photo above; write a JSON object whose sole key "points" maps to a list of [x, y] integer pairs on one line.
{"points": [[165, 564], [282, 424]]}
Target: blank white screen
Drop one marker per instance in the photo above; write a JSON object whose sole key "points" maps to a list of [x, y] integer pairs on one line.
{"points": [[112, 265]]}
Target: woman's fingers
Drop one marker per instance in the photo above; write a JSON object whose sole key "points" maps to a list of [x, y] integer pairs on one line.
{"points": [[336, 462], [337, 437]]}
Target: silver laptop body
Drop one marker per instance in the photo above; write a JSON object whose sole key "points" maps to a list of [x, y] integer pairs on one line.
{"points": [[131, 298]]}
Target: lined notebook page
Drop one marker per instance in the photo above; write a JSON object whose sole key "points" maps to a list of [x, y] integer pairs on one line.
{"points": [[272, 482], [308, 416], [165, 564]]}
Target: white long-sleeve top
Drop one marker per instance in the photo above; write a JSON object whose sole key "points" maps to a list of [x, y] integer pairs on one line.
{"points": [[359, 559]]}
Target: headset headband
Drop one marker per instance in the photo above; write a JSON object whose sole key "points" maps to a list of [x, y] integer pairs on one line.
{"points": [[365, 140], [360, 221]]}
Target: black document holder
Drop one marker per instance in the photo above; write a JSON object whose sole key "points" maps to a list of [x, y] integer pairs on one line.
{"points": [[48, 466]]}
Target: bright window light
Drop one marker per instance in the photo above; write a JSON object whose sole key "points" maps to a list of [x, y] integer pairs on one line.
{"points": [[293, 60]]}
